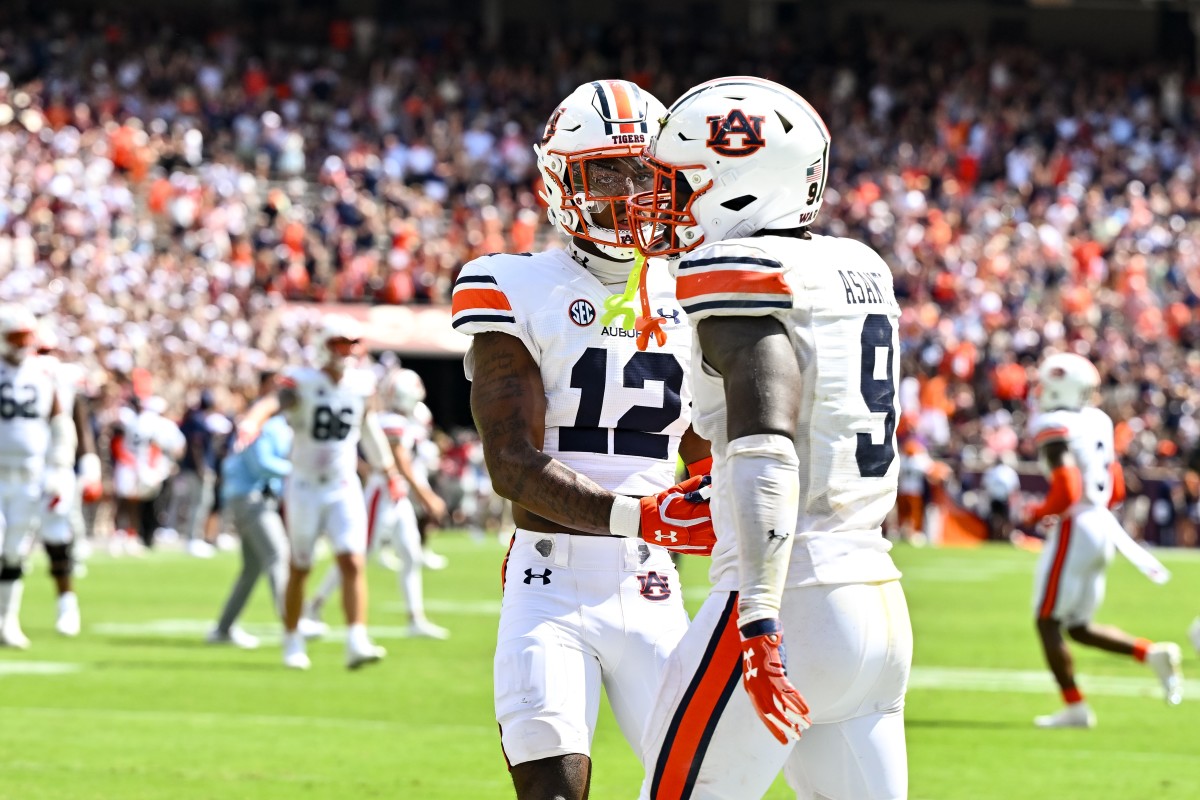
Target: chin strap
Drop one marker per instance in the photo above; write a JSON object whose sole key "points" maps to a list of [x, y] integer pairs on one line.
{"points": [[646, 324]]}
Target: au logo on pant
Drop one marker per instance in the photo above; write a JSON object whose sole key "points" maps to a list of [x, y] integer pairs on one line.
{"points": [[544, 577], [654, 586]]}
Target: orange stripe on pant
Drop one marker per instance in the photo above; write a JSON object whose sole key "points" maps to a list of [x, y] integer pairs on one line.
{"points": [[1050, 598], [372, 515], [504, 563], [700, 710]]}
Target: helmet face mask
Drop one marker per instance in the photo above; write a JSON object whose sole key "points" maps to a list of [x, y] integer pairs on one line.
{"points": [[339, 339], [734, 156], [589, 162]]}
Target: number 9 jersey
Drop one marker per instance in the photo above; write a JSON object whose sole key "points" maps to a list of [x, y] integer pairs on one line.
{"points": [[834, 297], [613, 412]]}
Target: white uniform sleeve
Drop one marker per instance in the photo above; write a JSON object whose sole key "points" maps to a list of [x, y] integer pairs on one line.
{"points": [[731, 279], [483, 301]]}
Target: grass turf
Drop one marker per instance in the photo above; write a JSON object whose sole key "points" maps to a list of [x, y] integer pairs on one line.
{"points": [[139, 707]]}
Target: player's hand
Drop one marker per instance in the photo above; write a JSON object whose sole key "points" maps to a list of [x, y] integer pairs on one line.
{"points": [[395, 486], [90, 484], [679, 519], [764, 675], [56, 482], [244, 435]]}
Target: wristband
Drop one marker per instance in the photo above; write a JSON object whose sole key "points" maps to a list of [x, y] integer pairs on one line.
{"points": [[701, 467], [625, 519]]}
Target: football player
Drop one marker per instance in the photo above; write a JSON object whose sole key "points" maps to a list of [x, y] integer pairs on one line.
{"points": [[1075, 448], [795, 371], [331, 408], [144, 444], [62, 520], [395, 520], [37, 446], [580, 430]]}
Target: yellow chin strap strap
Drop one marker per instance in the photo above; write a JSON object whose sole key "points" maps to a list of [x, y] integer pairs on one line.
{"points": [[620, 306]]}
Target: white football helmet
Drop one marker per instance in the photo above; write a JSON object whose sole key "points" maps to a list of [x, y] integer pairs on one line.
{"points": [[402, 390], [1066, 381], [18, 332], [589, 162], [333, 327], [733, 156], [47, 337]]}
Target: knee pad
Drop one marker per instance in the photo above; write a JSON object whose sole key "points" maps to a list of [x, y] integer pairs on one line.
{"points": [[60, 559], [10, 572]]}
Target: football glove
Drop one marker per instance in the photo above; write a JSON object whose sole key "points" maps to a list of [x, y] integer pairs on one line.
{"points": [[396, 488], [764, 675], [89, 477], [679, 519], [56, 485]]}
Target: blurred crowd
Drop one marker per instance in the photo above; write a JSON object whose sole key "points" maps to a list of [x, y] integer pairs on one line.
{"points": [[168, 190]]}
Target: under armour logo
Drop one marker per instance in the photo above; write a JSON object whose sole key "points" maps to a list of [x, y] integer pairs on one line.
{"points": [[673, 316], [670, 536], [747, 670], [544, 577], [771, 534]]}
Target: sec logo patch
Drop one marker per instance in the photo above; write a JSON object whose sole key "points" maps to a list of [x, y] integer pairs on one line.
{"points": [[582, 313]]}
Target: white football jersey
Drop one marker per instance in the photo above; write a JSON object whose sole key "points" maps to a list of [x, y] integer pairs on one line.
{"points": [[26, 399], [149, 443], [834, 297], [327, 419], [613, 412], [69, 381], [1089, 437]]}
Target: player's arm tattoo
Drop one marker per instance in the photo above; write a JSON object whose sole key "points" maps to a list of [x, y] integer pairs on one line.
{"points": [[508, 402], [762, 375]]}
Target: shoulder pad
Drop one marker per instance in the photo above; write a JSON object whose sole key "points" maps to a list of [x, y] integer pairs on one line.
{"points": [[731, 278]]}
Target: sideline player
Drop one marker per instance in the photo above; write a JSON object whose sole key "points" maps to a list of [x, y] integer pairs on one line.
{"points": [[62, 518], [251, 484], [390, 519], [1075, 448], [330, 408], [37, 445], [795, 369], [577, 423]]}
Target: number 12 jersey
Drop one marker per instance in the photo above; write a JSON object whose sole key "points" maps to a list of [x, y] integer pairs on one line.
{"points": [[834, 298], [613, 412]]}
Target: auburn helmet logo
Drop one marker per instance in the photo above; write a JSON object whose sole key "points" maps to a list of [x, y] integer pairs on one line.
{"points": [[552, 124], [735, 134]]}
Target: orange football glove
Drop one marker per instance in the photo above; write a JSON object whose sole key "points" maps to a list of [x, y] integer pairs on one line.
{"points": [[396, 487], [678, 518], [764, 675], [89, 478]]}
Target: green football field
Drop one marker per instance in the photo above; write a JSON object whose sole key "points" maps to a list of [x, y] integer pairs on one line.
{"points": [[139, 707]]}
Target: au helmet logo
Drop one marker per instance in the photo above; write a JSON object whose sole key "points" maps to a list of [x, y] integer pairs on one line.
{"points": [[552, 124], [582, 313], [735, 134]]}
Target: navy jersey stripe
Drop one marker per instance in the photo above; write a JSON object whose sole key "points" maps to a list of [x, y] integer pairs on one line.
{"points": [[743, 304], [482, 318], [708, 262]]}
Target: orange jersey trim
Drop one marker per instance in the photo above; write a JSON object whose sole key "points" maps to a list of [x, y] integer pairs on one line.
{"points": [[468, 299], [730, 281], [1052, 434]]}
